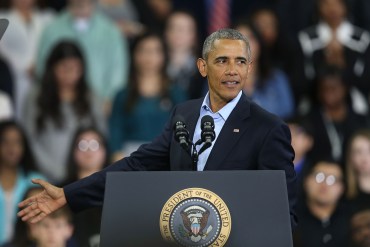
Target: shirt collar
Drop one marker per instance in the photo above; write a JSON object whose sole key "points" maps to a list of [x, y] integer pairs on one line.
{"points": [[225, 111]]}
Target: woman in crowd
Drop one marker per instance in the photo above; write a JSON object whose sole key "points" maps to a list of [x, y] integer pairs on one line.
{"points": [[58, 108], [181, 41], [88, 155], [358, 168], [17, 168], [332, 118], [141, 110], [267, 85], [336, 41]]}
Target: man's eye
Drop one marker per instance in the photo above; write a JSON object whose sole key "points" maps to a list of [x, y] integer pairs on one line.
{"points": [[242, 61], [221, 60]]}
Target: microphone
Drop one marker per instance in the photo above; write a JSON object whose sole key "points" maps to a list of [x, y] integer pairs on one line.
{"points": [[181, 133], [208, 134]]}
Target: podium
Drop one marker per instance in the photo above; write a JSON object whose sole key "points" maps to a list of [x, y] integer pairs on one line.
{"points": [[187, 208]]}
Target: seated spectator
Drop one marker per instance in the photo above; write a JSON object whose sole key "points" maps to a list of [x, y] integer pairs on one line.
{"points": [[62, 104], [333, 120], [88, 155], [323, 217], [336, 41], [358, 168], [266, 85], [55, 230], [23, 230], [141, 110], [181, 40], [104, 49], [17, 168], [19, 44], [360, 228]]}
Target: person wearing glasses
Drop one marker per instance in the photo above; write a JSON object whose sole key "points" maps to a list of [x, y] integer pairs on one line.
{"points": [[88, 154], [323, 215]]}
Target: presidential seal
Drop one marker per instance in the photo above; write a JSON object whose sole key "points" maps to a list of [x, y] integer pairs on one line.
{"points": [[195, 217]]}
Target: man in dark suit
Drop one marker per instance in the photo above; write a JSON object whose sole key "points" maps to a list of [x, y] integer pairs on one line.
{"points": [[247, 137]]}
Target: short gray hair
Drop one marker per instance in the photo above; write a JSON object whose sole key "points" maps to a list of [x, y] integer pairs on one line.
{"points": [[226, 33]]}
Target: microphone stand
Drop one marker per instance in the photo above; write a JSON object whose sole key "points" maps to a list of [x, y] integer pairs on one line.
{"points": [[195, 154], [195, 158]]}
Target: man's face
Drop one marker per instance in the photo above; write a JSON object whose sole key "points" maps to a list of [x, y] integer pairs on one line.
{"points": [[360, 226], [226, 68]]}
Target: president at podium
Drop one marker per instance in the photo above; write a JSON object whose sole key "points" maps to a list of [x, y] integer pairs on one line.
{"points": [[222, 131]]}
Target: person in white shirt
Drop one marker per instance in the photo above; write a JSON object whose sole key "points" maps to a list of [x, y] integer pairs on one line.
{"points": [[19, 44]]}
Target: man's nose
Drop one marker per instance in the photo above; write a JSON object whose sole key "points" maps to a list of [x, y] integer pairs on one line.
{"points": [[231, 69]]}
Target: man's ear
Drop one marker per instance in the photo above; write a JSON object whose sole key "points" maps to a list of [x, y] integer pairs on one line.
{"points": [[202, 67]]}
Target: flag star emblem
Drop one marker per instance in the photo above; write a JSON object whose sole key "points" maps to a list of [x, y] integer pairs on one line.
{"points": [[236, 130]]}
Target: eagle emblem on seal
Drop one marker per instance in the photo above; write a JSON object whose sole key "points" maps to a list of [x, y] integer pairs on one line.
{"points": [[195, 220]]}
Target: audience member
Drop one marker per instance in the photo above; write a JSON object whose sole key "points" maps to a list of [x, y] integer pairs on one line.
{"points": [[216, 14], [278, 48], [360, 228], [323, 216], [19, 44], [101, 42], [62, 104], [182, 45], [358, 168], [153, 13], [23, 230], [17, 168], [267, 85], [336, 41], [141, 110], [302, 143], [124, 14], [88, 155], [333, 120], [55, 230]]}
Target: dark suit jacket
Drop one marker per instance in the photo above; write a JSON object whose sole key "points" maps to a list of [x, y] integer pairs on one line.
{"points": [[262, 143]]}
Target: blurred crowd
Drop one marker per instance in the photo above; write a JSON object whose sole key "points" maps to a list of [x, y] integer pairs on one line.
{"points": [[83, 83]]}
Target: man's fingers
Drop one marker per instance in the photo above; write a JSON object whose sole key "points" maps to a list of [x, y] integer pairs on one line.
{"points": [[33, 213], [40, 182], [38, 217], [26, 202]]}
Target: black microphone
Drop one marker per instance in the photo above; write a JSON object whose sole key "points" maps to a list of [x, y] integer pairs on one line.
{"points": [[181, 133], [208, 134]]}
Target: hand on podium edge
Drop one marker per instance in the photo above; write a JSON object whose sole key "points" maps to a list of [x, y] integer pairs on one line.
{"points": [[39, 206]]}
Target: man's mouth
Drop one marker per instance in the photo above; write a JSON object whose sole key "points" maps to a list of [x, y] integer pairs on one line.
{"points": [[230, 82]]}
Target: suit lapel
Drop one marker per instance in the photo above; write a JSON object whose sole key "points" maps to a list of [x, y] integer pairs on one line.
{"points": [[232, 130]]}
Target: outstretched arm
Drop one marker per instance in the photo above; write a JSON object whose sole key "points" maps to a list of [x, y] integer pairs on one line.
{"points": [[39, 206]]}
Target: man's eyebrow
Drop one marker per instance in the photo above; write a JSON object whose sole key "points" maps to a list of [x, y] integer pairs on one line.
{"points": [[221, 57], [241, 58]]}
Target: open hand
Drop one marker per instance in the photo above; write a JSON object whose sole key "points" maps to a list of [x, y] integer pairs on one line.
{"points": [[39, 206]]}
